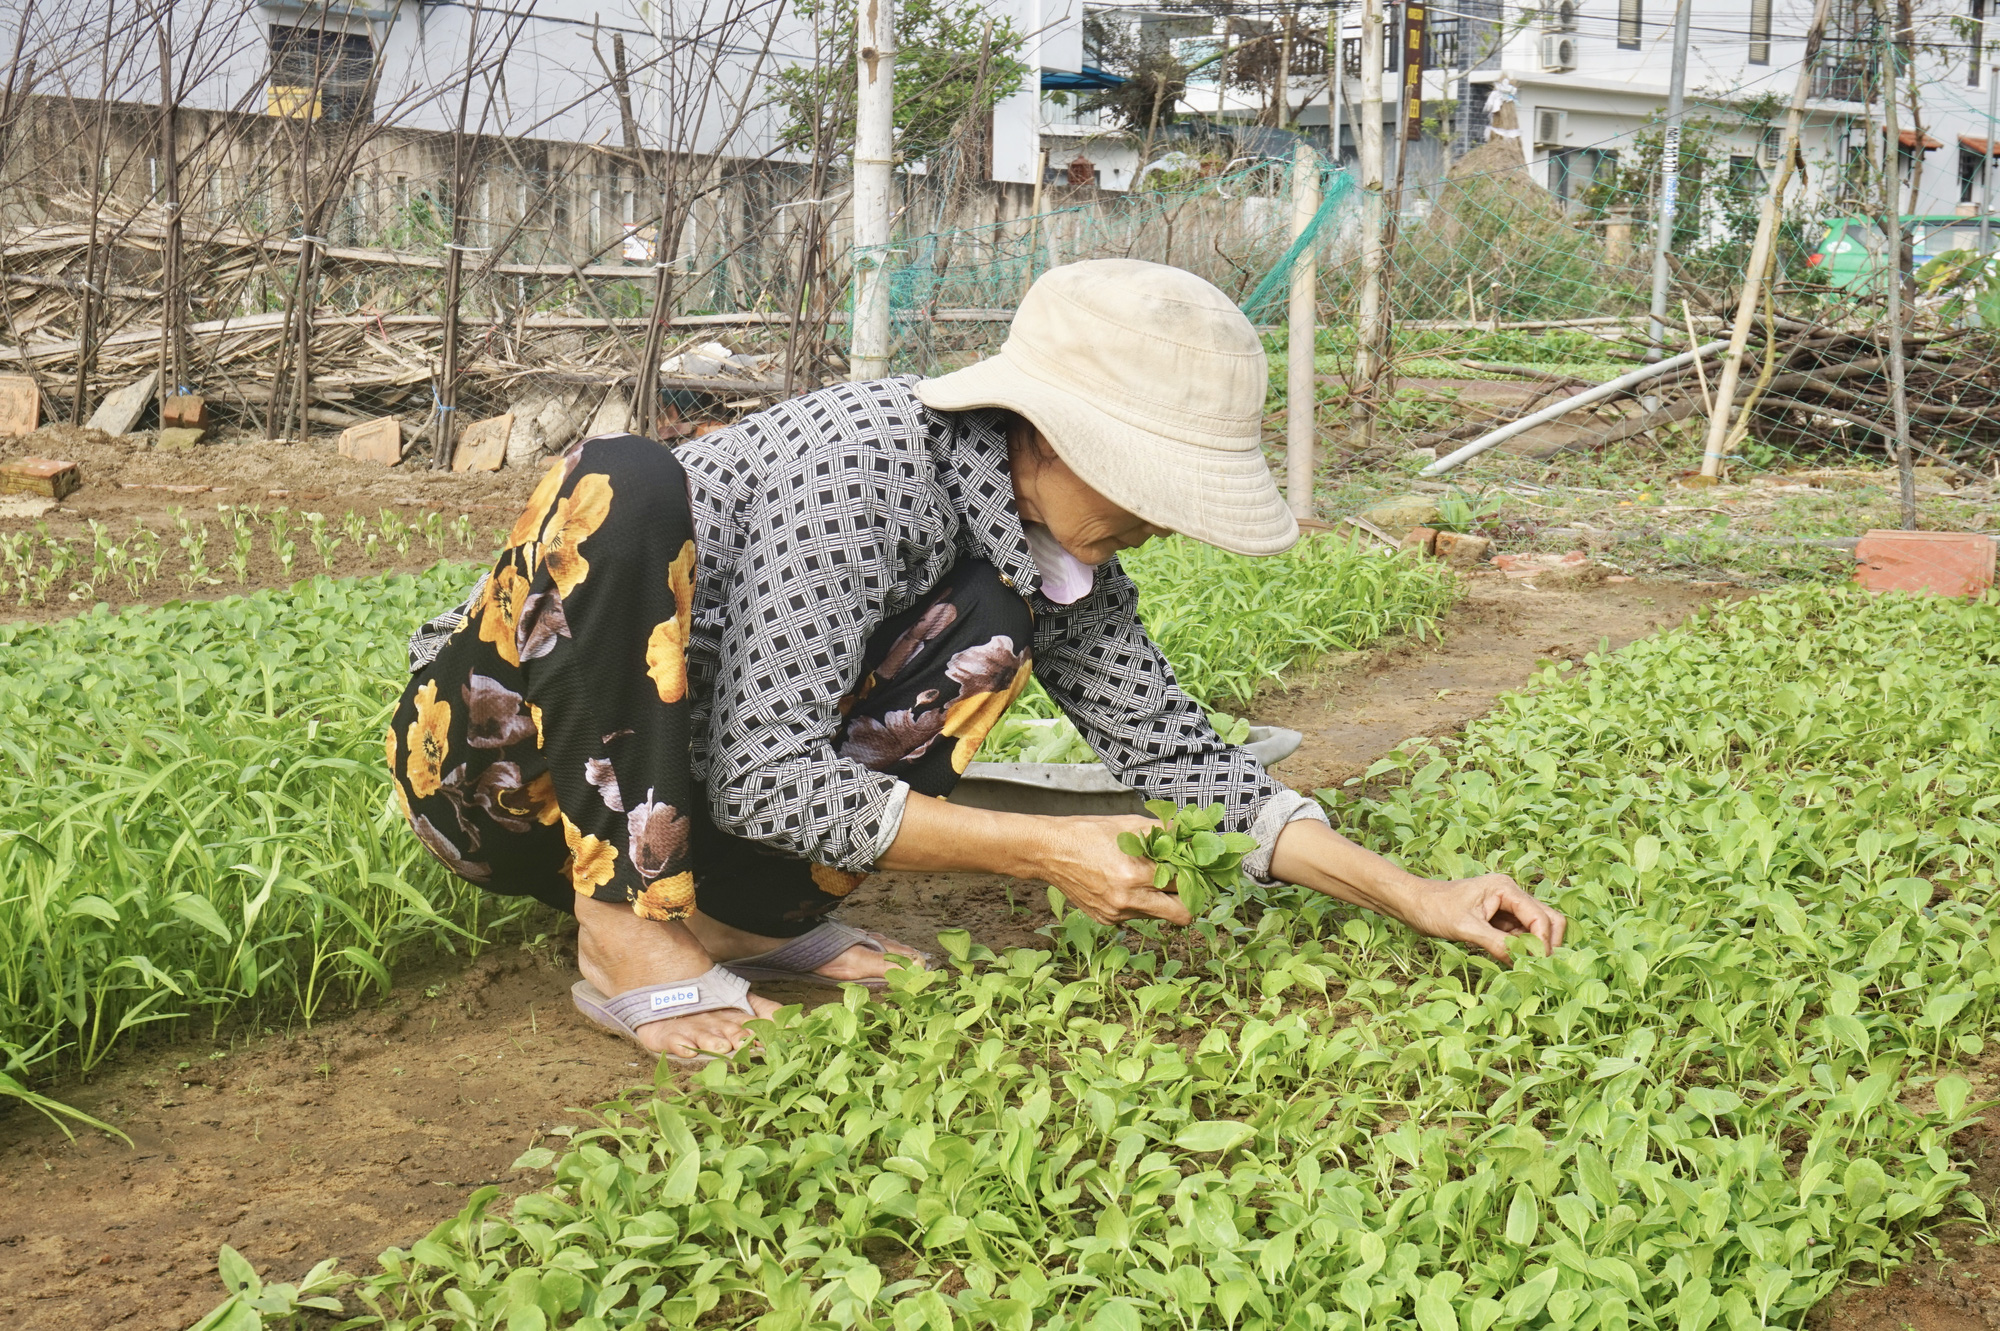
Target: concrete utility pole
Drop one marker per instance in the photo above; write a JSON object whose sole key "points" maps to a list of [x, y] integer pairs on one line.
{"points": [[1760, 253], [1892, 269], [1986, 165], [1670, 179], [874, 181], [1301, 339], [1368, 355], [1336, 91]]}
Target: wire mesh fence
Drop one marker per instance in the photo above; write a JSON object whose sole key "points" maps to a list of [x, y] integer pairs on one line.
{"points": [[1503, 294], [1504, 297]]}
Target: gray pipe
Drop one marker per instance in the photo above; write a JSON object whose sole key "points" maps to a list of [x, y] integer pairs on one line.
{"points": [[1560, 409]]}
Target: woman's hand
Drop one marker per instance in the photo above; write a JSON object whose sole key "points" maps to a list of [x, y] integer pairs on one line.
{"points": [[1081, 859], [1483, 911]]}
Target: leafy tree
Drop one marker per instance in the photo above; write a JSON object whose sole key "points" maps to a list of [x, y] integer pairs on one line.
{"points": [[940, 48], [1155, 78]]}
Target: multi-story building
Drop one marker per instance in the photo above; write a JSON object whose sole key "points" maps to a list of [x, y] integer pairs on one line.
{"points": [[1586, 81]]}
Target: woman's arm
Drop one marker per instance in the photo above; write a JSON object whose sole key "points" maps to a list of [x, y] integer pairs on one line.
{"points": [[1080, 857], [1077, 856], [1482, 911]]}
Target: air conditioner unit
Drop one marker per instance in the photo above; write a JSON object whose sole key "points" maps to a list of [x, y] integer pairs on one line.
{"points": [[1558, 53], [1770, 147], [1558, 16], [1551, 126]]}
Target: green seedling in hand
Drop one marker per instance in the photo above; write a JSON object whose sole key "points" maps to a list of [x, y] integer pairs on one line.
{"points": [[1187, 852]]}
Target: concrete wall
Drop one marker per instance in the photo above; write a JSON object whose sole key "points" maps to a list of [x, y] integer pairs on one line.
{"points": [[538, 200]]}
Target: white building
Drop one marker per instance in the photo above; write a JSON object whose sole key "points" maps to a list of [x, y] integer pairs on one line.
{"points": [[1587, 77]]}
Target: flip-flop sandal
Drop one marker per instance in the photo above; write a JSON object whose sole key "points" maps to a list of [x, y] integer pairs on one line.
{"points": [[801, 958], [714, 990]]}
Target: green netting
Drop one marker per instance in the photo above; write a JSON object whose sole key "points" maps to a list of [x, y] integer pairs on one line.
{"points": [[1491, 266], [1264, 302]]}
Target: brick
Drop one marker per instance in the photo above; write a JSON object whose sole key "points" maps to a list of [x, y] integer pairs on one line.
{"points": [[186, 411], [1461, 551], [1554, 570], [1941, 563], [483, 446], [1421, 539], [379, 441], [39, 476], [1527, 566], [179, 436], [20, 405]]}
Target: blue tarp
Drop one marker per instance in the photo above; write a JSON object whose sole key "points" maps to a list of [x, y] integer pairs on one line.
{"points": [[1090, 80]]}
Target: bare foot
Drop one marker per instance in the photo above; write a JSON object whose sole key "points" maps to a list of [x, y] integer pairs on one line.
{"points": [[727, 944], [617, 951]]}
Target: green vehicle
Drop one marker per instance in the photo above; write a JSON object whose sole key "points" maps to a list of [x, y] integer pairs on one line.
{"points": [[1849, 254]]}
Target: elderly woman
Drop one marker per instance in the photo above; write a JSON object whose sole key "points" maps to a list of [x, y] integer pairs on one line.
{"points": [[703, 692]]}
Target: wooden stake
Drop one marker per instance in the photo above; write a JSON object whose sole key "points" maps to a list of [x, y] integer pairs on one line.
{"points": [[1373, 338], [444, 436], [1301, 387], [86, 357], [1760, 252], [1700, 370], [173, 317]]}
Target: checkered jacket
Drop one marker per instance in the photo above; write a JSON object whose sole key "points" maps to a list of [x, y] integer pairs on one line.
{"points": [[827, 514]]}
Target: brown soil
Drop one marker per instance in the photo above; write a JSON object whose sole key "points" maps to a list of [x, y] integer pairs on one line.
{"points": [[1354, 712], [128, 484], [370, 1128]]}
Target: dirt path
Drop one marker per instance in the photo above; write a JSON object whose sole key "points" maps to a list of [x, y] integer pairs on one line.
{"points": [[1493, 642], [366, 1131]]}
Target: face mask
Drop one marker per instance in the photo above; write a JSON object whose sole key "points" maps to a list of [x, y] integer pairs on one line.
{"points": [[1065, 578]]}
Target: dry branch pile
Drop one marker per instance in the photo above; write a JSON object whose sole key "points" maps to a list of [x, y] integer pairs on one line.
{"points": [[1809, 388], [83, 308]]}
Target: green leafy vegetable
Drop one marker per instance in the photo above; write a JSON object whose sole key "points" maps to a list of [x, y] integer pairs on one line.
{"points": [[195, 817], [1189, 855]]}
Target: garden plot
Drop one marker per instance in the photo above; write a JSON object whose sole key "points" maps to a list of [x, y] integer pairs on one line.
{"points": [[353, 1135], [1735, 1089], [196, 825], [151, 525]]}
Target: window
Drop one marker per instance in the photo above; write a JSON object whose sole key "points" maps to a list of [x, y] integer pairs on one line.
{"points": [[1760, 31], [321, 75], [1574, 171], [1746, 178], [1441, 37], [1629, 19]]}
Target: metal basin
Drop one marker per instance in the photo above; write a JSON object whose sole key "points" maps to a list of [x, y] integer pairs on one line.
{"points": [[1084, 788]]}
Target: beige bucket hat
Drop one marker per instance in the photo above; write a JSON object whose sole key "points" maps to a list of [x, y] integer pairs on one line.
{"points": [[1150, 384]]}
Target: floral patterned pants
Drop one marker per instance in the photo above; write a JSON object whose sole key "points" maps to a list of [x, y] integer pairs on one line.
{"points": [[545, 749]]}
